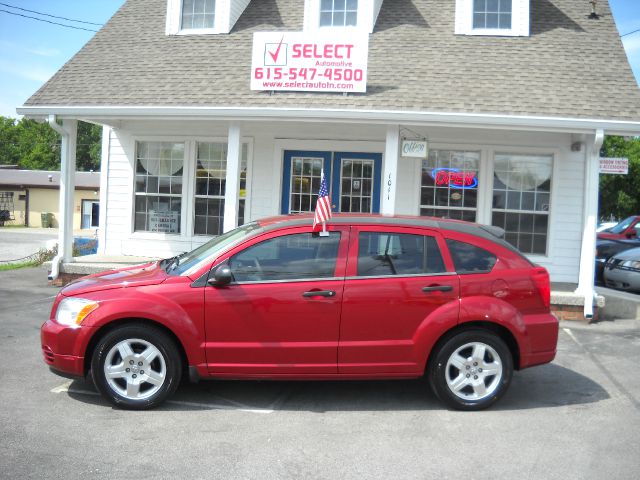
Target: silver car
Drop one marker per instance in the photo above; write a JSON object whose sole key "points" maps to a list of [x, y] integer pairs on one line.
{"points": [[622, 271]]}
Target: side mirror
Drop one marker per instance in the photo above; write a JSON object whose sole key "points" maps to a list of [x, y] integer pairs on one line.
{"points": [[221, 277]]}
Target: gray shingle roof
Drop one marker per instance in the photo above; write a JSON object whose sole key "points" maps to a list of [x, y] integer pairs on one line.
{"points": [[570, 66], [40, 178]]}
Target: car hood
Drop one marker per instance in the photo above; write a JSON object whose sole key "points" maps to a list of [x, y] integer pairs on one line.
{"points": [[134, 276], [632, 254]]}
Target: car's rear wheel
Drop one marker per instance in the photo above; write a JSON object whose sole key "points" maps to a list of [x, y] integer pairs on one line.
{"points": [[136, 366], [471, 370]]}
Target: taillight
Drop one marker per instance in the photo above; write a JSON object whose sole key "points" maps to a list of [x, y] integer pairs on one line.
{"points": [[540, 278]]}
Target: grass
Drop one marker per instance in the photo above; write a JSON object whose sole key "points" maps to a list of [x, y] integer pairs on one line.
{"points": [[15, 266]]}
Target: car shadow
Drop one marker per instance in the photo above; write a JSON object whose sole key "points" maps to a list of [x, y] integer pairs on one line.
{"points": [[541, 387]]}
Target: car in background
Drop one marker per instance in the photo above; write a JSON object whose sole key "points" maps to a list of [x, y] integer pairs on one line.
{"points": [[627, 228], [622, 271], [605, 249], [375, 298], [605, 226]]}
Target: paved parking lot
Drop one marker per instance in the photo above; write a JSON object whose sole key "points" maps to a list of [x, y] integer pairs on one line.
{"points": [[577, 418]]}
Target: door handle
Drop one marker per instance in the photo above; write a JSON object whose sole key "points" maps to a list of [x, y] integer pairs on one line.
{"points": [[437, 288], [319, 293]]}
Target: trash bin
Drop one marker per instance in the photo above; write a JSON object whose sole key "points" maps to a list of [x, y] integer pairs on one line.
{"points": [[45, 220]]}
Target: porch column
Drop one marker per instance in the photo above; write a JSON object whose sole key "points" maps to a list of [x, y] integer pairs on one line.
{"points": [[587, 252], [67, 188], [232, 188], [390, 171]]}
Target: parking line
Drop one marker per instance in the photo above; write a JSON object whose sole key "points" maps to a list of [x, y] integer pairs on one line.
{"points": [[604, 370], [236, 406]]}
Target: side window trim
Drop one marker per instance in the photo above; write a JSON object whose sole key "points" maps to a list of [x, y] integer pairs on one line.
{"points": [[339, 271], [354, 246]]}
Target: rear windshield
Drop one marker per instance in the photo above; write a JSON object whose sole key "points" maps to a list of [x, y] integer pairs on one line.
{"points": [[469, 258]]}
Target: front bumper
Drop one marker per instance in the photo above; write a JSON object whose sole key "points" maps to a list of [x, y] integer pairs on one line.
{"points": [[63, 348], [622, 278]]}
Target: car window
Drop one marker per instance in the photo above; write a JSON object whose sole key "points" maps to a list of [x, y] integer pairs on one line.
{"points": [[397, 254], [298, 256], [622, 226], [469, 258]]}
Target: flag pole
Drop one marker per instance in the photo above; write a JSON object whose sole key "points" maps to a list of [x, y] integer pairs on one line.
{"points": [[324, 232]]}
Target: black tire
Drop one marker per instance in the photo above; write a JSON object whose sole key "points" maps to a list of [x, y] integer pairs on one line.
{"points": [[127, 365], [460, 384]]}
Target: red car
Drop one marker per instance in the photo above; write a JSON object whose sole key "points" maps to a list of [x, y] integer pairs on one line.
{"points": [[376, 298], [627, 228]]}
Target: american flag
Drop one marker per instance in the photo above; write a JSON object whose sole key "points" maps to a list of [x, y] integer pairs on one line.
{"points": [[323, 206]]}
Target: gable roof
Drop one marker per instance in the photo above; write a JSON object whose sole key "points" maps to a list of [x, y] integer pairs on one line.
{"points": [[570, 66]]}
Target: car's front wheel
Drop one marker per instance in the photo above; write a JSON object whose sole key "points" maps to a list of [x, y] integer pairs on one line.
{"points": [[136, 366], [471, 370]]}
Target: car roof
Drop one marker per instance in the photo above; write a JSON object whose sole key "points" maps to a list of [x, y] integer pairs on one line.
{"points": [[488, 232]]}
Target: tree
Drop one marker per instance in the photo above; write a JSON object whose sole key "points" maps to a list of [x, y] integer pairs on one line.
{"points": [[36, 146], [89, 147], [8, 142], [620, 194]]}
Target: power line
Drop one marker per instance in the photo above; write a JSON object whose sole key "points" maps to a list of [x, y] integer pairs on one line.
{"points": [[629, 33], [52, 16], [47, 21]]}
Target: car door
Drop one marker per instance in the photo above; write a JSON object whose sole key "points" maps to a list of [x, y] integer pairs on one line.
{"points": [[281, 313], [396, 278]]}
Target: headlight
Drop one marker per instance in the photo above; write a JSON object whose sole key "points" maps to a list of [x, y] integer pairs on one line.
{"points": [[631, 264], [72, 311]]}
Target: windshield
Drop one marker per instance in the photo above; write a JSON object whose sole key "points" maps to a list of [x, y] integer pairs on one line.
{"points": [[622, 226], [189, 262]]}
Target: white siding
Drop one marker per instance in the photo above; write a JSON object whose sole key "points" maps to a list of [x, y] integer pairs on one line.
{"points": [[236, 9], [271, 139]]}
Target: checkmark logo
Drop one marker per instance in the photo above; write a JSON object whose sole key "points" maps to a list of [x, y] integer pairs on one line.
{"points": [[271, 55]]}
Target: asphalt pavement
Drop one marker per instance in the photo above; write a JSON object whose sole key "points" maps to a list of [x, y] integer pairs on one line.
{"points": [[17, 243], [577, 418]]}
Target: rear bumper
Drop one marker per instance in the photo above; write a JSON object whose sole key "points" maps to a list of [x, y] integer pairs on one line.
{"points": [[63, 348], [542, 333]]}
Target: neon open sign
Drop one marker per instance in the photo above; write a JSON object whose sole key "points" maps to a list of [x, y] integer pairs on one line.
{"points": [[454, 178]]}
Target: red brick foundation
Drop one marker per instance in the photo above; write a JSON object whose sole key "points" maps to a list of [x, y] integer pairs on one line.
{"points": [[573, 313]]}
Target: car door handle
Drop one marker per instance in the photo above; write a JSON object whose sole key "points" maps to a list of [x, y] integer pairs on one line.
{"points": [[437, 288], [319, 293]]}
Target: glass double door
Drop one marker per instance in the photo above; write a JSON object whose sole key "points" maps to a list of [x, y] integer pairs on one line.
{"points": [[353, 180]]}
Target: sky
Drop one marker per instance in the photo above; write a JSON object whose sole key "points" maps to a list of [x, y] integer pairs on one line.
{"points": [[31, 51]]}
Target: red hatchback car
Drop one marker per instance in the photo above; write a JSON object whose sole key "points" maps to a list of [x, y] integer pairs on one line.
{"points": [[375, 298]]}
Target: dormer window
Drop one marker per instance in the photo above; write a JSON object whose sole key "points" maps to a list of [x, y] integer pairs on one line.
{"points": [[198, 14], [492, 14], [338, 13], [203, 17], [506, 18]]}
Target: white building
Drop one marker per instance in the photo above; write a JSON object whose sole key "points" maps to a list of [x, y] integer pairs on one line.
{"points": [[513, 99]]}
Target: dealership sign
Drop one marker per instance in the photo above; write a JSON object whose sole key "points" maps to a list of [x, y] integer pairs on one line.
{"points": [[614, 165], [296, 61]]}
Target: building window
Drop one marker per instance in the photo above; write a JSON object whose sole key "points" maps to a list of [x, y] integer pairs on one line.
{"points": [[521, 197], [450, 184], [158, 190], [338, 13], [211, 176], [492, 14], [197, 14]]}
